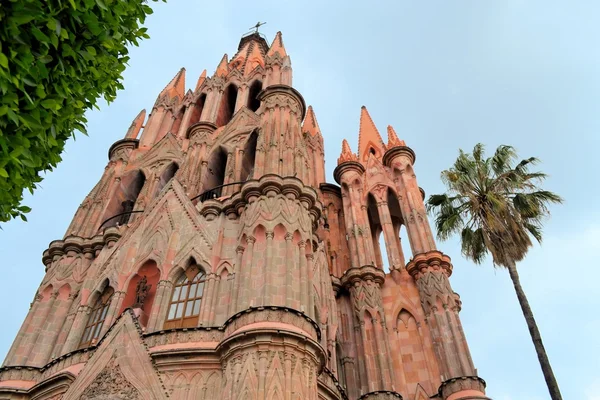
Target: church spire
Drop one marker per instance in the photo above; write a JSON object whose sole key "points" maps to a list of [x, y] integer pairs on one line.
{"points": [[277, 46], [369, 139], [310, 124], [176, 87], [136, 125]]}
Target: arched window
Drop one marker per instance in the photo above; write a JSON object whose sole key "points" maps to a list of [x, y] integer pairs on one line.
{"points": [[166, 176], [253, 102], [96, 319], [197, 109], [249, 157], [397, 220], [186, 298], [376, 229], [227, 106], [214, 176], [124, 199], [177, 122]]}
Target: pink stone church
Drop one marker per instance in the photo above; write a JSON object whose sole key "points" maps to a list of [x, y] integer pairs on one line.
{"points": [[214, 261]]}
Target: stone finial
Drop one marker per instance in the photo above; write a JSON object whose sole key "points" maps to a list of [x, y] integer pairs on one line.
{"points": [[223, 67], [201, 80], [277, 47], [136, 125], [393, 139], [347, 154], [310, 124]]}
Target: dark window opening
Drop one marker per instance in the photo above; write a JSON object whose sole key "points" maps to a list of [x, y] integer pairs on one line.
{"points": [[214, 176], [227, 107], [249, 158], [166, 176], [197, 109], [124, 199], [255, 89], [95, 322]]}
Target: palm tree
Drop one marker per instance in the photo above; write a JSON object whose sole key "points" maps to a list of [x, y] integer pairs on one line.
{"points": [[497, 207]]}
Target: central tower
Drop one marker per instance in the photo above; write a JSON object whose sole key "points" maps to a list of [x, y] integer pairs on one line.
{"points": [[212, 260]]}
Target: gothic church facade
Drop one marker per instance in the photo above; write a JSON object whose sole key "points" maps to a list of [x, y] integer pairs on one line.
{"points": [[213, 261]]}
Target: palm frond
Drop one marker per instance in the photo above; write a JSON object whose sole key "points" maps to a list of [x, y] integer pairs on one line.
{"points": [[503, 159], [473, 244]]}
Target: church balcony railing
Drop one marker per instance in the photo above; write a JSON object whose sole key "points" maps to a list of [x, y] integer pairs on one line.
{"points": [[213, 193], [123, 218]]}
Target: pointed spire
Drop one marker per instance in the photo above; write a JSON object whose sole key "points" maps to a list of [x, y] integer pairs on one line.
{"points": [[223, 68], [393, 139], [347, 154], [277, 46], [175, 88], [201, 80], [369, 139], [310, 124], [136, 125]]}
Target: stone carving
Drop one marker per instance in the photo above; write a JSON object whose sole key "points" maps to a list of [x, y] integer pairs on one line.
{"points": [[434, 286], [141, 292], [110, 384]]}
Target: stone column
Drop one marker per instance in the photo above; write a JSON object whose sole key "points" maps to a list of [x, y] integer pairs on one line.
{"points": [[247, 273], [290, 297], [364, 285], [159, 308], [66, 328], [303, 277], [267, 273], [237, 278], [74, 337], [395, 254], [207, 299], [441, 305]]}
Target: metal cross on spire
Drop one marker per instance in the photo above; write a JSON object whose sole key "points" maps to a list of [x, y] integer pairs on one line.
{"points": [[258, 25]]}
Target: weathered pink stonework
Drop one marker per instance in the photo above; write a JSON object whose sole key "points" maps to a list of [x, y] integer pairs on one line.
{"points": [[213, 261]]}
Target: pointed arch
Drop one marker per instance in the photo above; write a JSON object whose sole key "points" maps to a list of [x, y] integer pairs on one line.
{"points": [[168, 174], [375, 228], [227, 106], [141, 289], [123, 199], [197, 108], [214, 176], [397, 219], [247, 167], [255, 89], [177, 120]]}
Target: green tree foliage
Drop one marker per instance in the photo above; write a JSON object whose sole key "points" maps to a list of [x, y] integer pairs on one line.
{"points": [[497, 207], [57, 58]]}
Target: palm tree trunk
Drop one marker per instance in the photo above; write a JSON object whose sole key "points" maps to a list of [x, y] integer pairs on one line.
{"points": [[535, 335]]}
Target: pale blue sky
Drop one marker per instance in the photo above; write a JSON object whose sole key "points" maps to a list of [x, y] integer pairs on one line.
{"points": [[446, 75]]}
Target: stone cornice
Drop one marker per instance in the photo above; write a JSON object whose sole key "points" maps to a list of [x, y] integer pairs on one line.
{"points": [[199, 127], [331, 188], [79, 245], [454, 385], [347, 166], [288, 186], [390, 154], [122, 144], [268, 96], [381, 395], [432, 259], [364, 273]]}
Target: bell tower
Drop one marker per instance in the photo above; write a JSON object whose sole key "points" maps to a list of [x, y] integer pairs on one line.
{"points": [[213, 260]]}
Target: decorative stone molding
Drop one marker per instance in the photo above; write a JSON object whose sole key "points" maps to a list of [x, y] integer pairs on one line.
{"points": [[329, 380], [364, 273], [396, 151], [121, 149], [282, 96], [79, 245], [347, 166], [282, 315], [201, 132], [463, 383], [381, 395], [110, 383], [268, 185], [431, 260]]}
